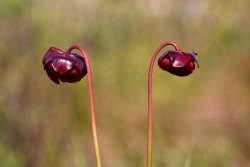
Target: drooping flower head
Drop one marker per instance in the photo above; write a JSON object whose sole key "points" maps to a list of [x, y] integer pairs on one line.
{"points": [[178, 63], [64, 66]]}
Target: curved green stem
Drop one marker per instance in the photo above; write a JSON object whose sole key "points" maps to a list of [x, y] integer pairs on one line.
{"points": [[150, 120], [91, 101]]}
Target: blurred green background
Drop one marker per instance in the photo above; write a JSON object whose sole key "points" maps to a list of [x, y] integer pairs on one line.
{"points": [[199, 121]]}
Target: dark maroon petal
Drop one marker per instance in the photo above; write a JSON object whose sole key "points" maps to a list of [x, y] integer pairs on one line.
{"points": [[180, 59], [79, 62], [183, 71], [51, 54], [61, 65], [190, 67], [73, 75], [177, 62], [51, 73], [164, 62]]}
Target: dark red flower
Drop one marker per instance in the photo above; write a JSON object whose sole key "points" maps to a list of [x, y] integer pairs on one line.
{"points": [[178, 62], [67, 67]]}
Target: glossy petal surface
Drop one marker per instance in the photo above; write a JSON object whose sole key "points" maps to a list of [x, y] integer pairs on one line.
{"points": [[178, 63], [65, 67]]}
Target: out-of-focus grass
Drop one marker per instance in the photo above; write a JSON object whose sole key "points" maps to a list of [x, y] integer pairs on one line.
{"points": [[201, 120]]}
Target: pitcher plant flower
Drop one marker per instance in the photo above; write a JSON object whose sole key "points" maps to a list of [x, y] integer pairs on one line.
{"points": [[65, 67], [71, 67], [175, 62]]}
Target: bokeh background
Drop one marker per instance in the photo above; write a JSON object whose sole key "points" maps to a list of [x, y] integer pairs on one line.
{"points": [[199, 121]]}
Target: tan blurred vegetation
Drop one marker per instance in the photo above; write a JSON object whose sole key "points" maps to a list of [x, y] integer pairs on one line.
{"points": [[199, 121]]}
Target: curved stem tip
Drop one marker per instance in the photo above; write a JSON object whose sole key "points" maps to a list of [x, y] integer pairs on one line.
{"points": [[150, 120], [91, 101]]}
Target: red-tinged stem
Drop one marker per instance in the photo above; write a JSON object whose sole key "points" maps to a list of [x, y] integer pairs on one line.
{"points": [[150, 120], [91, 101]]}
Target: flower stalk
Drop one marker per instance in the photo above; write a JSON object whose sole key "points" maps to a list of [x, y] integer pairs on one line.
{"points": [[91, 101], [149, 106]]}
